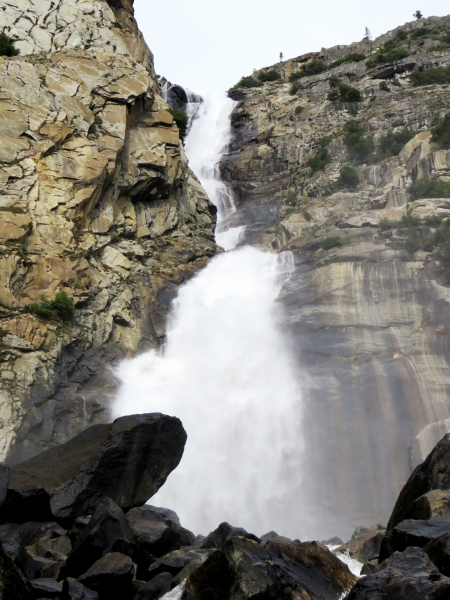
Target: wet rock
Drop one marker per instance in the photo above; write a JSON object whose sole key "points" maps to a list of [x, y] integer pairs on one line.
{"points": [[155, 588], [369, 567], [334, 541], [108, 531], [77, 528], [127, 461], [365, 543], [37, 567], [13, 584], [46, 588], [223, 533], [409, 575], [167, 512], [111, 576], [187, 571], [273, 535], [4, 480], [242, 568], [74, 590], [431, 505], [25, 503], [54, 549], [439, 552], [432, 474], [412, 533], [176, 561], [156, 533]]}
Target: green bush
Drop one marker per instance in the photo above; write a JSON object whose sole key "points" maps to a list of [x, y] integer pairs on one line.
{"points": [[7, 47], [333, 241], [389, 53], [352, 57], [437, 75], [441, 132], [420, 32], [341, 92], [181, 119], [313, 67], [269, 76], [307, 215], [322, 158], [299, 110], [384, 86], [429, 188], [401, 35], [392, 143], [348, 178], [360, 147], [61, 307], [248, 82]]}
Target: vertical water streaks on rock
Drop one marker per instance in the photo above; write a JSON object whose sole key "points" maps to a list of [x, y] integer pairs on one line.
{"points": [[97, 201], [370, 321]]}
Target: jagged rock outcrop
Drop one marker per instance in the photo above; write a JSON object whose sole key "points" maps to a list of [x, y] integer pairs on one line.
{"points": [[97, 201], [369, 321]]}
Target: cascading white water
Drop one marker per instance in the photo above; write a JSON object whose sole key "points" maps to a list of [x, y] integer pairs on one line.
{"points": [[208, 139], [226, 373]]}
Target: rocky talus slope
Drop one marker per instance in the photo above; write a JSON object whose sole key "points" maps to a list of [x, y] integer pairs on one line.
{"points": [[97, 201], [369, 321]]}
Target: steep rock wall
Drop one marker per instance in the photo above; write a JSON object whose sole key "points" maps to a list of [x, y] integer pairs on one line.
{"points": [[369, 322], [97, 200]]}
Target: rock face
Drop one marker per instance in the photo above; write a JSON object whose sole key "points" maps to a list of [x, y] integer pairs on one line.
{"points": [[127, 461], [409, 575], [364, 545], [97, 201], [242, 568], [369, 321]]}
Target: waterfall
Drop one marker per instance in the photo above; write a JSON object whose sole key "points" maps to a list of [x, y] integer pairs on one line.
{"points": [[226, 372]]}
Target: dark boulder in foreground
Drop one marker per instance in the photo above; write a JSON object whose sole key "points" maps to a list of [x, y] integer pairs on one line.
{"points": [[408, 575], [13, 584], [223, 533], [177, 560], [242, 569], [439, 552], [74, 590], [364, 545], [127, 461], [432, 505], [413, 533], [432, 474], [155, 588], [155, 533], [111, 576]]}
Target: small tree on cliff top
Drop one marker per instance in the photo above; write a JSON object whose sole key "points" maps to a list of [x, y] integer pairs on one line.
{"points": [[418, 14]]}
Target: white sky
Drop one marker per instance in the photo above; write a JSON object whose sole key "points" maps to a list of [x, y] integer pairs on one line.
{"points": [[207, 45]]}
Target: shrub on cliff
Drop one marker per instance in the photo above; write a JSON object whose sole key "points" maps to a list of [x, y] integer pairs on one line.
{"points": [[181, 119], [441, 132], [348, 178], [248, 82], [269, 76], [438, 76], [390, 52], [7, 47], [322, 158], [392, 143], [352, 57], [313, 67], [429, 188], [61, 307], [333, 241], [341, 92], [359, 146]]}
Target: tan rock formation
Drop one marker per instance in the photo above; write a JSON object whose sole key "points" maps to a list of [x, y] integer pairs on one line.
{"points": [[96, 200], [370, 322]]}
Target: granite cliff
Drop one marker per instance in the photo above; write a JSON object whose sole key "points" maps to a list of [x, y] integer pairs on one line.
{"points": [[367, 311], [97, 201]]}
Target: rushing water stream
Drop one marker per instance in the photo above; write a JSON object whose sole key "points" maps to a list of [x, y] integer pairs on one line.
{"points": [[226, 372]]}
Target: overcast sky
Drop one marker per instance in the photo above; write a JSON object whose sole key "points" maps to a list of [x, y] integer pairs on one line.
{"points": [[207, 45]]}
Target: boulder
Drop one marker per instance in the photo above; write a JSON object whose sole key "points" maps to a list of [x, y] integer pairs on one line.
{"points": [[46, 588], [78, 527], [334, 541], [223, 533], [188, 570], [364, 545], [54, 549], [26, 503], [273, 535], [13, 584], [242, 568], [432, 474], [37, 567], [431, 505], [108, 531], [439, 552], [111, 577], [156, 533], [155, 588], [127, 461], [175, 561], [412, 533], [74, 590], [408, 575], [4, 480]]}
